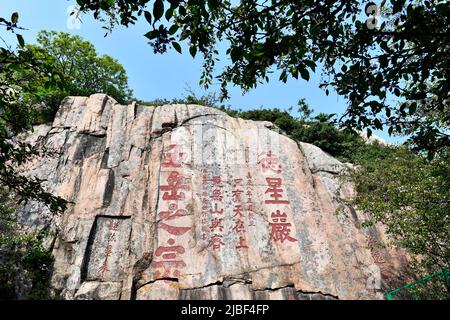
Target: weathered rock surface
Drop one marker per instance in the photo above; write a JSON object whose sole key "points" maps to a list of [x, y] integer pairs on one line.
{"points": [[185, 202]]}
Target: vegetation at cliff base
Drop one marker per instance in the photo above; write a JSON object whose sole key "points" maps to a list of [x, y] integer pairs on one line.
{"points": [[25, 262]]}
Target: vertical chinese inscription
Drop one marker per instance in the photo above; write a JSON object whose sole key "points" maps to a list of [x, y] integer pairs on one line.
{"points": [[172, 225], [275, 198], [238, 214], [107, 248], [111, 239], [249, 202], [228, 209], [204, 199], [217, 214]]}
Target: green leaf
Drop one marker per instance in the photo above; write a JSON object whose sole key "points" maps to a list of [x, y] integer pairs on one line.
{"points": [[182, 10], [310, 64], [158, 9], [304, 73], [383, 60], [21, 41], [173, 29], [378, 124], [235, 54], [412, 108], [388, 112], [176, 46], [294, 72], [169, 14], [148, 16], [152, 34], [15, 17], [193, 51], [384, 46]]}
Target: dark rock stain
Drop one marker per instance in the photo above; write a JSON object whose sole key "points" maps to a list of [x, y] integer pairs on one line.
{"points": [[109, 189]]}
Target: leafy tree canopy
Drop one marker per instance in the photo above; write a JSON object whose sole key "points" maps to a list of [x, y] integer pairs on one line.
{"points": [[83, 71], [404, 58], [410, 196], [16, 116], [33, 81]]}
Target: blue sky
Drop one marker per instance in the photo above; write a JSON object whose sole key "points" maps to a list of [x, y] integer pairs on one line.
{"points": [[164, 76]]}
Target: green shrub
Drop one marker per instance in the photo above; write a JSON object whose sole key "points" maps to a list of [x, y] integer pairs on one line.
{"points": [[24, 261]]}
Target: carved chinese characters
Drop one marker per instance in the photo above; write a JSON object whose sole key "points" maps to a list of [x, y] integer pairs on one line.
{"points": [[280, 227], [186, 202], [270, 163], [204, 205], [249, 202], [239, 227], [113, 228], [107, 250], [172, 225], [174, 157], [217, 214]]}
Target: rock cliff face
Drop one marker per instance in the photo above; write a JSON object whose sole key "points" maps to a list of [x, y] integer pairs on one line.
{"points": [[185, 202]]}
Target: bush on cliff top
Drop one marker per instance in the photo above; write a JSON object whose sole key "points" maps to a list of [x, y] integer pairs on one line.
{"points": [[320, 130], [80, 69]]}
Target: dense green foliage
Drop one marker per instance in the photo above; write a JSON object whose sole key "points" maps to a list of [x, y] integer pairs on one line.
{"points": [[25, 264], [405, 58], [16, 107], [33, 81], [82, 72], [410, 195]]}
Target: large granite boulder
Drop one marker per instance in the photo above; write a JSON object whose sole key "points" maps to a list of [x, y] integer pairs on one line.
{"points": [[186, 202]]}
